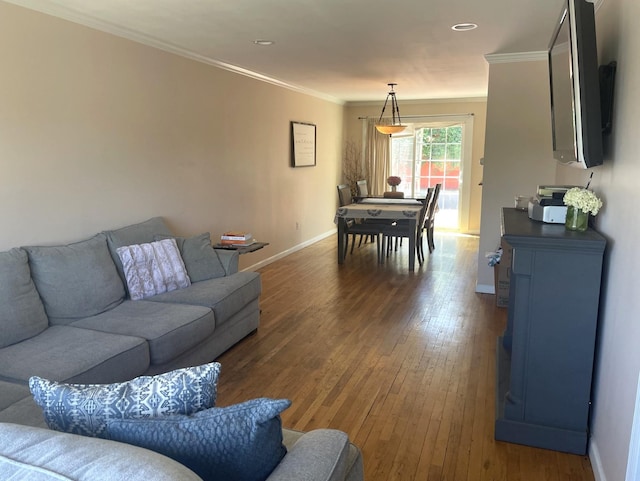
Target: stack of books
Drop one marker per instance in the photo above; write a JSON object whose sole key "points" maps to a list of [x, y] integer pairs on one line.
{"points": [[236, 239]]}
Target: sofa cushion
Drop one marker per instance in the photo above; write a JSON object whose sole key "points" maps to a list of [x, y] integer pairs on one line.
{"points": [[199, 256], [153, 268], [87, 408], [11, 393], [35, 454], [225, 295], [242, 442], [24, 411], [141, 233], [75, 280], [22, 314], [170, 329], [66, 353]]}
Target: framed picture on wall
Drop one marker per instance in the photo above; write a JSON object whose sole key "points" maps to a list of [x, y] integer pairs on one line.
{"points": [[303, 144]]}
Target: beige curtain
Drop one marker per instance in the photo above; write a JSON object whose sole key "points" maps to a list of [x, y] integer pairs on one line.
{"points": [[377, 158]]}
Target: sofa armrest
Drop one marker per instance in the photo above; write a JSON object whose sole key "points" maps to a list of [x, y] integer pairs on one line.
{"points": [[33, 453], [319, 455], [229, 260]]}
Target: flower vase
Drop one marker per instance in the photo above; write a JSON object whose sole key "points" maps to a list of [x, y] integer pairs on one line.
{"points": [[576, 219], [393, 188]]}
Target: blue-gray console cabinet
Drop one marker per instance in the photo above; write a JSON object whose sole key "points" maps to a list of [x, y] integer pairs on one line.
{"points": [[545, 356]]}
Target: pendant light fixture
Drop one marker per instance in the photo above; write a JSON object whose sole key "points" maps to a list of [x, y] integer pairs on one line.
{"points": [[395, 127]]}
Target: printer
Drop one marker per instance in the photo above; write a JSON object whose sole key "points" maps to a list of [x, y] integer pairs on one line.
{"points": [[547, 205]]}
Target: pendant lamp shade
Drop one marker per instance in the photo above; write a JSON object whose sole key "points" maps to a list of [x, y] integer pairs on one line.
{"points": [[396, 123], [390, 129]]}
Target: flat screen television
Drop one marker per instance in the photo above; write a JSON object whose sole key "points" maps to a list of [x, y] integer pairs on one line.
{"points": [[575, 90]]}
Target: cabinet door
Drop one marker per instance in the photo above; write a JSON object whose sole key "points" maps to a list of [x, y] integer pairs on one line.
{"points": [[554, 327]]}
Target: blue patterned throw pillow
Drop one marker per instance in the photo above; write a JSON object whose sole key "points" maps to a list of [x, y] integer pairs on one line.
{"points": [[86, 408], [242, 442]]}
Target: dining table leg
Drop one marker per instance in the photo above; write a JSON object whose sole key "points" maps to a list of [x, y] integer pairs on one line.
{"points": [[341, 238]]}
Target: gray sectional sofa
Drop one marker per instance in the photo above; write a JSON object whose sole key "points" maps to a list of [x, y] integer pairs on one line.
{"points": [[70, 318], [66, 315]]}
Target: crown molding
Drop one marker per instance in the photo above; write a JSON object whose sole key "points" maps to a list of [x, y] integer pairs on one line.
{"points": [[516, 57], [534, 56], [64, 13]]}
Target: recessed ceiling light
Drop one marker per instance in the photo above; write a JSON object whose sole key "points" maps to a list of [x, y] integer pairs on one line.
{"points": [[463, 27], [264, 43]]}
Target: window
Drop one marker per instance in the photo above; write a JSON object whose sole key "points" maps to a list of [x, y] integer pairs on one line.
{"points": [[427, 155]]}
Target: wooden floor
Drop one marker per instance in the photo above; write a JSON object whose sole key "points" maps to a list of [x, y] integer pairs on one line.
{"points": [[403, 362]]}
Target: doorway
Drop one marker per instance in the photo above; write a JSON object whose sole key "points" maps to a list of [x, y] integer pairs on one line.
{"points": [[437, 150]]}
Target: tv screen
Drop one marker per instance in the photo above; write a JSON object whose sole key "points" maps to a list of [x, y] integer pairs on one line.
{"points": [[575, 91]]}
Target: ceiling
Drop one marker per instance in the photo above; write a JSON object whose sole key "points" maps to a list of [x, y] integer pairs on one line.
{"points": [[342, 50]]}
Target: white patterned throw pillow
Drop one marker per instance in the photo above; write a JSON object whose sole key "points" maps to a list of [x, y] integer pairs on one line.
{"points": [[86, 408], [153, 268]]}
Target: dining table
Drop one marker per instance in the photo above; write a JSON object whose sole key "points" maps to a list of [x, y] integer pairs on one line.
{"points": [[380, 208]]}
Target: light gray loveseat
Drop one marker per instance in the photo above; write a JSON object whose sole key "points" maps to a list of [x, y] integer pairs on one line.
{"points": [[65, 315]]}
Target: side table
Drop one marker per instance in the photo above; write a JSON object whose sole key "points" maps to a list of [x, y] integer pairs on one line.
{"points": [[242, 249], [545, 357]]}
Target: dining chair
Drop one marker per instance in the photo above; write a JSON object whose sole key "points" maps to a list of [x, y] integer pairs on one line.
{"points": [[429, 220], [344, 195], [354, 227], [363, 189], [401, 228], [430, 202], [398, 240]]}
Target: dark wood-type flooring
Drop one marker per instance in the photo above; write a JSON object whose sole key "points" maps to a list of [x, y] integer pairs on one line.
{"points": [[403, 362]]}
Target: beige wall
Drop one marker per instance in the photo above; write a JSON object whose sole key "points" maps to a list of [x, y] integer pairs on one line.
{"points": [[518, 155], [477, 107], [616, 181], [523, 85], [97, 132]]}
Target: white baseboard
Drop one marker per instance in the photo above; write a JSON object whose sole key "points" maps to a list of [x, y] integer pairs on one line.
{"points": [[486, 288], [596, 463], [291, 250]]}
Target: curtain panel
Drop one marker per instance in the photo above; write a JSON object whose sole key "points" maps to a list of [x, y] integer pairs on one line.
{"points": [[378, 159]]}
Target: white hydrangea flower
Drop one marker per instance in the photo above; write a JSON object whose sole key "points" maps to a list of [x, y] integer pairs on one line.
{"points": [[582, 199]]}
